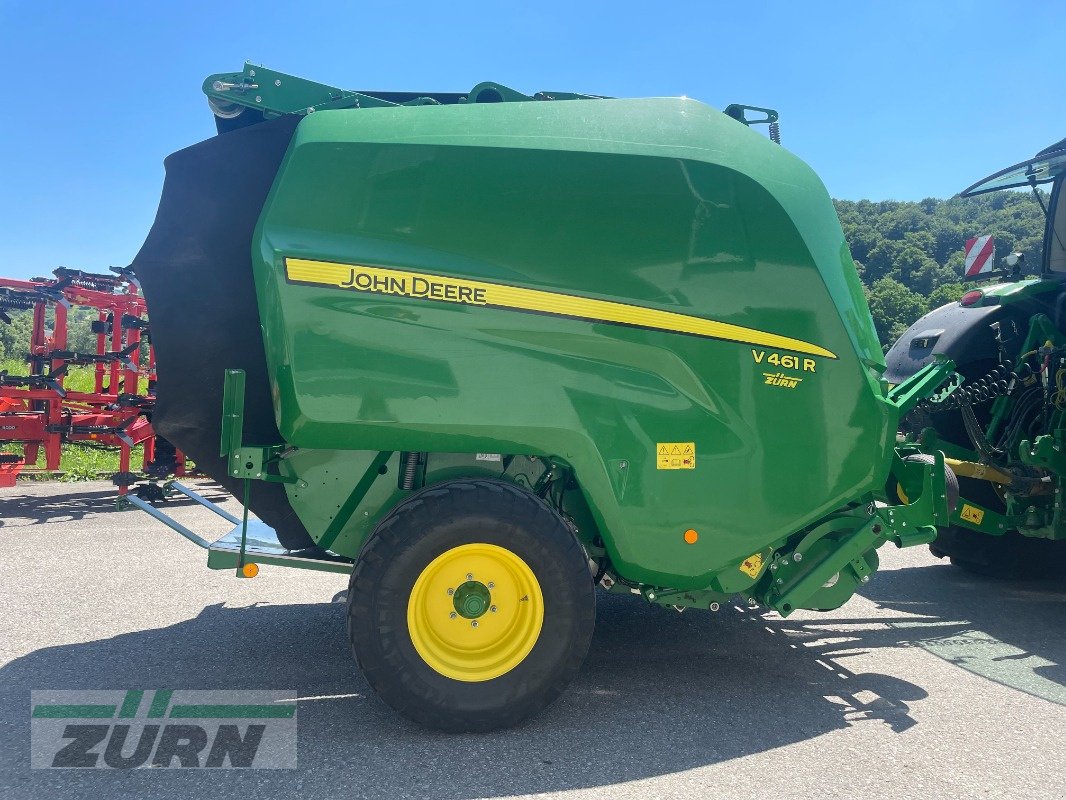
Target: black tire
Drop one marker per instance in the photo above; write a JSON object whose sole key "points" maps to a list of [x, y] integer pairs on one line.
{"points": [[1011, 555], [951, 482], [435, 521]]}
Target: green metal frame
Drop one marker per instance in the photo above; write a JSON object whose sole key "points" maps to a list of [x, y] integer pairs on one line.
{"points": [[251, 462], [275, 93], [922, 384], [354, 499], [1040, 515]]}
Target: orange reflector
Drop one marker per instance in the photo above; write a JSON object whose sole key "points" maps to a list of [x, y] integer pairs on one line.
{"points": [[250, 570], [691, 536], [972, 298]]}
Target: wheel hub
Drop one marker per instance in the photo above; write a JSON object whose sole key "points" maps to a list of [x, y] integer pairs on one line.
{"points": [[472, 599]]}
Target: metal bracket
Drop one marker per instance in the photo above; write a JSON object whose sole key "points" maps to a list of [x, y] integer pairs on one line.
{"points": [[921, 384], [831, 561], [1045, 452], [739, 112], [248, 463], [275, 93], [928, 506]]}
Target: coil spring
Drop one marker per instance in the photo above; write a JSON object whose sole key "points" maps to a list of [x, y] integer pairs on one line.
{"points": [[998, 382], [775, 132], [408, 470]]}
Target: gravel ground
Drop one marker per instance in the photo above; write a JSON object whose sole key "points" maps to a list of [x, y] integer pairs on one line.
{"points": [[932, 684]]}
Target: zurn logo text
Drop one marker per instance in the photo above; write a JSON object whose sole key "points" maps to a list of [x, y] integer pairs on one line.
{"points": [[163, 728]]}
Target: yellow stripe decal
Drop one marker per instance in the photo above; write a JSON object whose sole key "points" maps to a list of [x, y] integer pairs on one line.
{"points": [[379, 280]]}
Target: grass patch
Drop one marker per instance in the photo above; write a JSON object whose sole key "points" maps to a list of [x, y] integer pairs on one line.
{"points": [[84, 463]]}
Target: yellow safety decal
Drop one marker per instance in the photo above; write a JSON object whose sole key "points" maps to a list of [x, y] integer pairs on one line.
{"points": [[971, 514], [379, 280], [751, 565], [675, 455]]}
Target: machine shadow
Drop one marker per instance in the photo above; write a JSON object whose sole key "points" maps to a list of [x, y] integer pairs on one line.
{"points": [[660, 693], [31, 509], [19, 509], [1009, 631]]}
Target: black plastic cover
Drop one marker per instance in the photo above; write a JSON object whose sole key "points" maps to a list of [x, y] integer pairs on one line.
{"points": [[961, 333], [196, 271]]}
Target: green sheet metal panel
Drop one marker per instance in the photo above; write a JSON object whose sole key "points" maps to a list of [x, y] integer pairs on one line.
{"points": [[665, 205]]}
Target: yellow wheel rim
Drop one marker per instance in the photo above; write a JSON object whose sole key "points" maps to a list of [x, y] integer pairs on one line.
{"points": [[475, 612]]}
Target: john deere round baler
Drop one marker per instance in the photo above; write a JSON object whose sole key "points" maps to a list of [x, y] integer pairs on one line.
{"points": [[488, 350]]}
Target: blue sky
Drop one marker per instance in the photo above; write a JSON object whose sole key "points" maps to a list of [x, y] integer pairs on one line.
{"points": [[896, 100]]}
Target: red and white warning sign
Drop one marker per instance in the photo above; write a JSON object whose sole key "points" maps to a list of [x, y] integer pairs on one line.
{"points": [[979, 252]]}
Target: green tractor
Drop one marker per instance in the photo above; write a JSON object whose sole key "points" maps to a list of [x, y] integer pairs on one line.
{"points": [[1001, 424], [486, 351]]}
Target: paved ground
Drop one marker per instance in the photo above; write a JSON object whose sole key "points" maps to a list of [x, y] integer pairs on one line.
{"points": [[933, 684]]}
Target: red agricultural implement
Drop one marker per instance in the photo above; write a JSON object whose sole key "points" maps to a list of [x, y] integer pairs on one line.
{"points": [[41, 413]]}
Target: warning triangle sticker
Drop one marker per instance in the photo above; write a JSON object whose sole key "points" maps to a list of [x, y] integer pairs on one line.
{"points": [[675, 455]]}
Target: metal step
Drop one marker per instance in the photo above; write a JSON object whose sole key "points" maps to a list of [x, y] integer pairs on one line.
{"points": [[260, 541], [262, 547]]}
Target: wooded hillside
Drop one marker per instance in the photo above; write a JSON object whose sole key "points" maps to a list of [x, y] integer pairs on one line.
{"points": [[910, 256]]}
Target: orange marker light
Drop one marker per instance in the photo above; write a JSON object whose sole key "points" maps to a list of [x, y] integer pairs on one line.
{"points": [[691, 536], [250, 570]]}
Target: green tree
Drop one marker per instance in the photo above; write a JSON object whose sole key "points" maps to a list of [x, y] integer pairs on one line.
{"points": [[15, 337], [894, 307]]}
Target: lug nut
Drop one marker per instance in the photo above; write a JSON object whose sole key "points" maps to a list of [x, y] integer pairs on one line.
{"points": [[451, 592], [492, 609], [453, 615], [491, 585], [473, 623], [470, 576]]}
